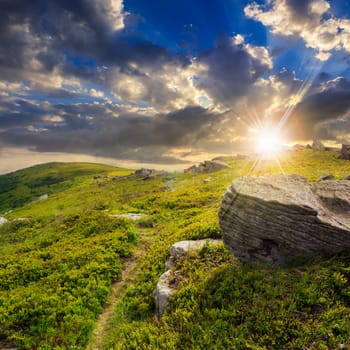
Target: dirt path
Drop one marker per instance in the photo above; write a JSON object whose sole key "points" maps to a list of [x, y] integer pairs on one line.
{"points": [[128, 275]]}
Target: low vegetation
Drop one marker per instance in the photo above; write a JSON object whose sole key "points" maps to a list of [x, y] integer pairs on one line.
{"points": [[58, 265]]}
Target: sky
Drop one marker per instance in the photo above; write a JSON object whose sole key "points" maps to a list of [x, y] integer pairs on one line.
{"points": [[169, 83]]}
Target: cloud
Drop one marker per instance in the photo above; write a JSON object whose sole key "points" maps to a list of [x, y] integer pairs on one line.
{"points": [[310, 20], [97, 94], [68, 38], [230, 69], [77, 78], [323, 113], [107, 130]]}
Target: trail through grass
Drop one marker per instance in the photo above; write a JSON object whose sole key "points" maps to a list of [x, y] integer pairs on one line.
{"points": [[107, 321]]}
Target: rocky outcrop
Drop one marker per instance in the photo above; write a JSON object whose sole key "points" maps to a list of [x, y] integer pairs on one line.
{"points": [[144, 172], [148, 174], [180, 249], [167, 285], [163, 292], [345, 151], [318, 145], [280, 219], [208, 166]]}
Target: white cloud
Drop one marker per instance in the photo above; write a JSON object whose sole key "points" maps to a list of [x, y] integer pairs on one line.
{"points": [[164, 88], [307, 20], [52, 118], [97, 94], [112, 11]]}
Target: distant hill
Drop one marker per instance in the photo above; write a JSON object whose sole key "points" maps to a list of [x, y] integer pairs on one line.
{"points": [[25, 185], [77, 273]]}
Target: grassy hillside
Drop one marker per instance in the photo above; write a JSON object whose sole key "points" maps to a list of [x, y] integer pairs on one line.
{"points": [[57, 267], [26, 185]]}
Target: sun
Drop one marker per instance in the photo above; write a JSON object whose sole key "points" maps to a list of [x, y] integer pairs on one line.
{"points": [[268, 143]]}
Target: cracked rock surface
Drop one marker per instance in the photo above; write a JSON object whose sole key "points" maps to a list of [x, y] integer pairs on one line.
{"points": [[278, 219]]}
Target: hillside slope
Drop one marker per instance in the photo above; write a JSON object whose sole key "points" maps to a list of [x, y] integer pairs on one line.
{"points": [[25, 185], [58, 266]]}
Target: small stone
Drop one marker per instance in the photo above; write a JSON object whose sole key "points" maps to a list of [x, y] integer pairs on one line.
{"points": [[163, 292], [43, 197], [131, 216], [208, 166], [3, 220]]}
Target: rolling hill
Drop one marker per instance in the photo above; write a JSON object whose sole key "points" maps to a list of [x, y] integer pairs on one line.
{"points": [[63, 257]]}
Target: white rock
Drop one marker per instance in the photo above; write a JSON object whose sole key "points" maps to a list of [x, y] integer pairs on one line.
{"points": [[131, 216], [163, 292], [43, 197], [3, 220], [182, 248], [165, 286]]}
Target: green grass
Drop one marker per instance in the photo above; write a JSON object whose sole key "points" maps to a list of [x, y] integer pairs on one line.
{"points": [[23, 186], [225, 305], [58, 266]]}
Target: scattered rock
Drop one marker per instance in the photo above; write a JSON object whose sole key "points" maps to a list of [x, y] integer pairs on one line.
{"points": [[207, 180], [318, 145], [180, 249], [163, 292], [21, 219], [144, 172], [191, 170], [325, 177], [345, 151], [131, 216], [298, 147], [97, 177], [208, 166], [3, 220], [166, 286], [280, 219], [43, 197], [346, 177]]}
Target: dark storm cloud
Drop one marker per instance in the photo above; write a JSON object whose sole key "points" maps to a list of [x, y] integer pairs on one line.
{"points": [[331, 103], [48, 31], [232, 70], [114, 133], [321, 113]]}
